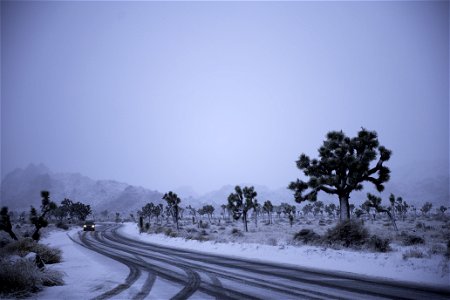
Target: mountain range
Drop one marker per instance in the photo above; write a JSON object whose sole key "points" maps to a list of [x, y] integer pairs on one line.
{"points": [[21, 188]]}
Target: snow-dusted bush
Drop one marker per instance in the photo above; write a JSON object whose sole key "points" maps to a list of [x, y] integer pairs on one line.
{"points": [[21, 277], [347, 234], [411, 239], [413, 253], [378, 244], [307, 236], [24, 246]]}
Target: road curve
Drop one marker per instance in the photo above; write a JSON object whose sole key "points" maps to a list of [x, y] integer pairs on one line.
{"points": [[189, 274]]}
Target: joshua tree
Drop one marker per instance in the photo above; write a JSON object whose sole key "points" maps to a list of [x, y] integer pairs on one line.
{"points": [[289, 210], [148, 210], [241, 201], [318, 208], [329, 209], [268, 208], [81, 211], [256, 210], [426, 208], [224, 208], [193, 213], [343, 166], [208, 210], [5, 223], [307, 209], [375, 202], [40, 221], [173, 203]]}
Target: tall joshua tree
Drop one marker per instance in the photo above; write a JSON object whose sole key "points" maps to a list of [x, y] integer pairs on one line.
{"points": [[5, 223], [344, 164], [173, 202], [268, 208], [241, 201], [40, 221]]}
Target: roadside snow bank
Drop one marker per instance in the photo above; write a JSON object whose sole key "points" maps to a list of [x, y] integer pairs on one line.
{"points": [[433, 270], [87, 273]]}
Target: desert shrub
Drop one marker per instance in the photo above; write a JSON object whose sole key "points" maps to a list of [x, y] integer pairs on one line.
{"points": [[21, 277], [173, 234], [307, 236], [48, 254], [322, 222], [62, 225], [24, 246], [221, 228], [378, 244], [347, 234], [235, 231], [168, 231], [413, 253], [200, 238], [203, 225], [159, 229], [423, 226], [411, 239], [272, 241], [437, 249]]}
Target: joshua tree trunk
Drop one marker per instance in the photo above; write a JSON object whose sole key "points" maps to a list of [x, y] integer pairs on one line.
{"points": [[244, 218], [345, 208]]}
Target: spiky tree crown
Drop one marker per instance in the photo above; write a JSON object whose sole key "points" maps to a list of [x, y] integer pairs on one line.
{"points": [[343, 165]]}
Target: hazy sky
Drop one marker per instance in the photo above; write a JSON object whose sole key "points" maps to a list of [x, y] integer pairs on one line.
{"points": [[203, 94]]}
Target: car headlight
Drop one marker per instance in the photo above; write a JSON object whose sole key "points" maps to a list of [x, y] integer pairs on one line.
{"points": [[84, 226], [93, 226]]}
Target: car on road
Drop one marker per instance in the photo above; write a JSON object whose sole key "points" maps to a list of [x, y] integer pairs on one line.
{"points": [[89, 226]]}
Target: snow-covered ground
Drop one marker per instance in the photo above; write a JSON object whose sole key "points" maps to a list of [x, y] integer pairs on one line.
{"points": [[432, 270], [87, 273]]}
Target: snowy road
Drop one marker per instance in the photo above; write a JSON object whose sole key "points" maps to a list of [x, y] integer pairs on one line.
{"points": [[160, 272]]}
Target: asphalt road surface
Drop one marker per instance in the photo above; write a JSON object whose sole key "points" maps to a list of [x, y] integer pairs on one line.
{"points": [[159, 272]]}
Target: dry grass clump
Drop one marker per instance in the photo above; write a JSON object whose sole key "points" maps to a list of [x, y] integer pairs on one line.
{"points": [[22, 277], [24, 246]]}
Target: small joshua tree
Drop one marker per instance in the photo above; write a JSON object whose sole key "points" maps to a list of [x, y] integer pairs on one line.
{"points": [[173, 203], [375, 202], [5, 223], [40, 221], [241, 201], [426, 208], [268, 208]]}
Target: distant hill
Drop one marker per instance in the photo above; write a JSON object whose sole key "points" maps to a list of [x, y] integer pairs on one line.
{"points": [[21, 188]]}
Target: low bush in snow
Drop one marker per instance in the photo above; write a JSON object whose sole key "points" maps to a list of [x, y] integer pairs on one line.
{"points": [[21, 277], [24, 246], [413, 253], [378, 244], [347, 234], [307, 236], [411, 239]]}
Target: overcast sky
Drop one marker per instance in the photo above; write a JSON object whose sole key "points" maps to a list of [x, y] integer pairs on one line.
{"points": [[205, 94]]}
